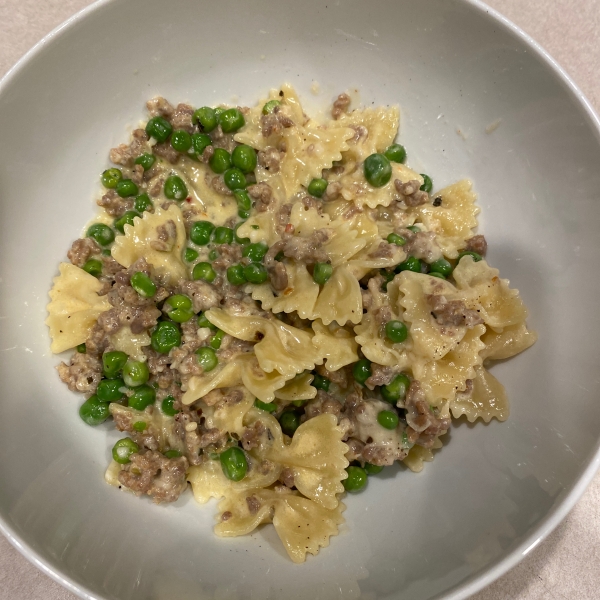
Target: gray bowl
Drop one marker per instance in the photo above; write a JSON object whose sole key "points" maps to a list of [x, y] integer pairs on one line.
{"points": [[480, 100]]}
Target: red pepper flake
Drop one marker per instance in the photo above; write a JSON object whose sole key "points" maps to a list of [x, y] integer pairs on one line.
{"points": [[289, 228], [189, 199]]}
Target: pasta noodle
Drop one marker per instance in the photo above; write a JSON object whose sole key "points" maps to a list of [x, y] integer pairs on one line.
{"points": [[279, 312]]}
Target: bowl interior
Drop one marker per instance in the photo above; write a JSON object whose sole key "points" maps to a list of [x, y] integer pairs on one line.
{"points": [[455, 71]]}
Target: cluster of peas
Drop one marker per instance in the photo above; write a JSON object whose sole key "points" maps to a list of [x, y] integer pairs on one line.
{"points": [[123, 375]]}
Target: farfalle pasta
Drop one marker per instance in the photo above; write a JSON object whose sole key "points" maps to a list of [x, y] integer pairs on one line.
{"points": [[273, 307]]}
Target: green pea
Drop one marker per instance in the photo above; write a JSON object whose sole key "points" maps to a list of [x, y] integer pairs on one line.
{"points": [[223, 235], [394, 238], [123, 449], [322, 272], [175, 189], [206, 118], [396, 153], [270, 106], [356, 480], [396, 331], [111, 177], [213, 254], [144, 396], [256, 273], [231, 120], [106, 252], [321, 383], [220, 161], [109, 390], [476, 257], [179, 308], [255, 252], [396, 389], [190, 255], [266, 406], [414, 228], [438, 275], [441, 266], [113, 362], [200, 141], [93, 266], [244, 158], [143, 285], [139, 426], [235, 275], [361, 371], [410, 264], [159, 129], [167, 406], [427, 183], [82, 349], [237, 238], [165, 336], [215, 340], [200, 232], [373, 469], [181, 140], [179, 301], [142, 203], [146, 160], [378, 170], [125, 219], [126, 188], [234, 179], [207, 358], [102, 233], [203, 270], [289, 421], [204, 322], [93, 411], [135, 373], [172, 454], [299, 403], [234, 463], [388, 419], [317, 187], [243, 199], [279, 256]]}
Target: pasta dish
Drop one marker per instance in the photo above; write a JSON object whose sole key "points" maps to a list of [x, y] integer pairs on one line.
{"points": [[273, 308]]}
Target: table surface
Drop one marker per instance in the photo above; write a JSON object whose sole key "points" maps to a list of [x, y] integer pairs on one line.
{"points": [[565, 565]]}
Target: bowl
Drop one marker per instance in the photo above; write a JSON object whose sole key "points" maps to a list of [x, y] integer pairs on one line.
{"points": [[478, 99]]}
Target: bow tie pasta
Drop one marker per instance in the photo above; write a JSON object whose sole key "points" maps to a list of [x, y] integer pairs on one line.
{"points": [[272, 308]]}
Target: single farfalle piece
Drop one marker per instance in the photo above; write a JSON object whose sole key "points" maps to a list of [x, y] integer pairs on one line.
{"points": [[158, 237], [74, 307], [335, 344], [430, 339], [280, 347], [208, 480], [484, 399], [317, 459], [242, 369], [303, 526], [298, 388], [453, 220], [445, 377], [511, 341], [340, 299], [375, 129], [484, 291]]}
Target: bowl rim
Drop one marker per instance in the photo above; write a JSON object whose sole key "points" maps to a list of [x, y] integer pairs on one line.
{"points": [[555, 516]]}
